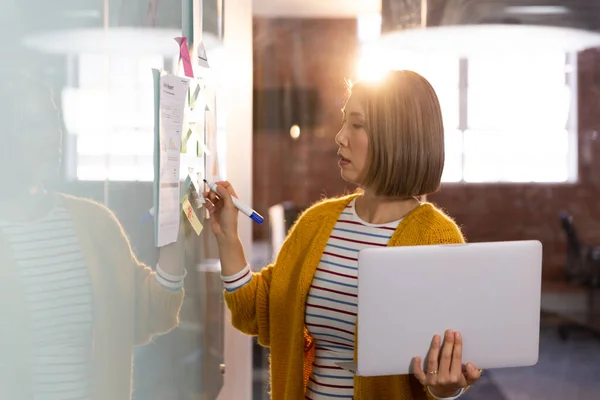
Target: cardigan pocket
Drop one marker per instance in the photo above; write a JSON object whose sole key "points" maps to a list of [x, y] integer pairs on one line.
{"points": [[309, 356]]}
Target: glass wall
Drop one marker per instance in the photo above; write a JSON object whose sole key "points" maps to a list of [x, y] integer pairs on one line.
{"points": [[97, 57]]}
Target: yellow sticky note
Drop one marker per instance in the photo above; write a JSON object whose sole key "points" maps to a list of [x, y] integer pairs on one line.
{"points": [[202, 149], [189, 212]]}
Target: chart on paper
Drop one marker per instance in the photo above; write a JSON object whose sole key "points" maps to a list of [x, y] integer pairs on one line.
{"points": [[173, 91]]}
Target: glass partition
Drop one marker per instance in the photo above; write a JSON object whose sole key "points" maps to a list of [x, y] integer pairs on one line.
{"points": [[97, 58]]}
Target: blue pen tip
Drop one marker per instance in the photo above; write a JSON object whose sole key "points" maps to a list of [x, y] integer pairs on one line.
{"points": [[257, 218], [146, 217]]}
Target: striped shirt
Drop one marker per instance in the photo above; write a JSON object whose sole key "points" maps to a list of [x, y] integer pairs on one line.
{"points": [[58, 292], [332, 302], [234, 282]]}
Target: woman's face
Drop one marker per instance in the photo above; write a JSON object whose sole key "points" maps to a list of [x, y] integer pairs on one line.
{"points": [[34, 145], [353, 142]]}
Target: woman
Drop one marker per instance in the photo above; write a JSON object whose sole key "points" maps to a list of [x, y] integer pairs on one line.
{"points": [[304, 306], [75, 300]]}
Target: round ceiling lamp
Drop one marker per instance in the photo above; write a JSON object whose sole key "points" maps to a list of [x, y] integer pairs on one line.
{"points": [[465, 28], [118, 40], [471, 40]]}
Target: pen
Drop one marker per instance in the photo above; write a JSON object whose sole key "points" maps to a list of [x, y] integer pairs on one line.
{"points": [[148, 215], [254, 216]]}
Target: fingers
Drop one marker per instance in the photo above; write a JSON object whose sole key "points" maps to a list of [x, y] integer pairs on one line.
{"points": [[444, 373], [447, 350], [227, 186], [456, 366], [211, 196], [418, 371], [211, 203], [194, 198], [434, 353], [472, 374], [226, 191]]}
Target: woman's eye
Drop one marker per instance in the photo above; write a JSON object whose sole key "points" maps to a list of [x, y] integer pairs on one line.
{"points": [[357, 126]]}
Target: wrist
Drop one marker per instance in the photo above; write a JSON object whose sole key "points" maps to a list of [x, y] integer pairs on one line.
{"points": [[228, 240], [172, 282], [172, 260], [231, 255], [445, 394]]}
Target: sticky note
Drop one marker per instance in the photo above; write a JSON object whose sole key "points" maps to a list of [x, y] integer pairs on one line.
{"points": [[185, 140], [202, 149], [193, 176], [184, 56], [194, 97], [190, 214], [202, 58]]}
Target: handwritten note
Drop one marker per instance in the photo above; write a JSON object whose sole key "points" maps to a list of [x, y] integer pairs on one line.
{"points": [[190, 214], [184, 56]]}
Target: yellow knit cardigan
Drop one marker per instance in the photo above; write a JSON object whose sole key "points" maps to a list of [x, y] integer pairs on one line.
{"points": [[129, 307], [272, 305]]}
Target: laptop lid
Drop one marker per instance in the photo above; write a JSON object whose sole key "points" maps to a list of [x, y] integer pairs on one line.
{"points": [[490, 292]]}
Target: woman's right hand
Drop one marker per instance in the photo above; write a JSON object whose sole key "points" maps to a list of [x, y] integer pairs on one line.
{"points": [[223, 214]]}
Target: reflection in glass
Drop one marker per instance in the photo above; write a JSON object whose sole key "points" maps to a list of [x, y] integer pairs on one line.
{"points": [[97, 58]]}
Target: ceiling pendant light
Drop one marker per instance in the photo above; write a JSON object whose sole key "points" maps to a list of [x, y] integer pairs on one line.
{"points": [[473, 27]]}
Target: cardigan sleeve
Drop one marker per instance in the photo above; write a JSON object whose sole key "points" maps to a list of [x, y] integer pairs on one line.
{"points": [[249, 304], [156, 308]]}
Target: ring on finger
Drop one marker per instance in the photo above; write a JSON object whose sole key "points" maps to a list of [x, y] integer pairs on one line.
{"points": [[434, 372]]}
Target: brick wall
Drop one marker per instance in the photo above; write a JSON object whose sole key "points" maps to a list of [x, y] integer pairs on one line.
{"points": [[320, 54], [514, 212], [307, 54]]}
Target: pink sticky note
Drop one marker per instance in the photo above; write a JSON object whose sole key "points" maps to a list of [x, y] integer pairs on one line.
{"points": [[184, 56]]}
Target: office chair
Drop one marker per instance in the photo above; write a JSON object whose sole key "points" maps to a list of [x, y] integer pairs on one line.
{"points": [[577, 269], [582, 268]]}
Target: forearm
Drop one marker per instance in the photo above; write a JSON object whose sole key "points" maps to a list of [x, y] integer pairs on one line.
{"points": [[171, 259], [170, 270], [231, 254], [157, 303]]}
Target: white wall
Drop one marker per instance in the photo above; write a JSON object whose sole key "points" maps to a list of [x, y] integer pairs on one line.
{"points": [[238, 56]]}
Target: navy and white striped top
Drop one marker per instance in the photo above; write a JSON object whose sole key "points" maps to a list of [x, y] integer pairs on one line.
{"points": [[332, 302], [58, 293]]}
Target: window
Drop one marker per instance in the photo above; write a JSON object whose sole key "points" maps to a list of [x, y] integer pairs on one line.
{"points": [[110, 121], [508, 118], [517, 119]]}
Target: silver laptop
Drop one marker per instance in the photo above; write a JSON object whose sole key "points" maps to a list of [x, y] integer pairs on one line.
{"points": [[490, 292]]}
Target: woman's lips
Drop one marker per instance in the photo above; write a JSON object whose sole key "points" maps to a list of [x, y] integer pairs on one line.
{"points": [[343, 161]]}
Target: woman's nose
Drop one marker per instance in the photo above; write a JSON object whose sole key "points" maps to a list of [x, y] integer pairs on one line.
{"points": [[340, 138]]}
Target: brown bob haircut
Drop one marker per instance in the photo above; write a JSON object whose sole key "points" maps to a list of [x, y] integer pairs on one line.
{"points": [[403, 121]]}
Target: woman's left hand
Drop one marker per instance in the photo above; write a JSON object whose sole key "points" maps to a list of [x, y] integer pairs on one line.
{"points": [[445, 375]]}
